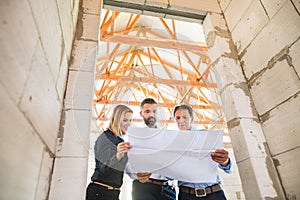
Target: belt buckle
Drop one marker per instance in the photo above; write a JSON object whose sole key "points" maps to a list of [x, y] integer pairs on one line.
{"points": [[200, 192]]}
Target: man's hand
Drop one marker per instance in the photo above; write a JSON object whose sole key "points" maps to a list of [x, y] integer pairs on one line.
{"points": [[143, 177], [220, 156]]}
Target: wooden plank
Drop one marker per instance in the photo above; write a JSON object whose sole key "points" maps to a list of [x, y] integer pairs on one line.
{"points": [[112, 77], [155, 42], [167, 105]]}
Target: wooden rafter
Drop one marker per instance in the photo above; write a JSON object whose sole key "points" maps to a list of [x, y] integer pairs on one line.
{"points": [[165, 104], [172, 35], [107, 23], [151, 42], [112, 77]]}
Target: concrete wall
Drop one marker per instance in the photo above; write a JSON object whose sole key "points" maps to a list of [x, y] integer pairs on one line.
{"points": [[70, 169], [266, 34], [258, 176], [36, 39]]}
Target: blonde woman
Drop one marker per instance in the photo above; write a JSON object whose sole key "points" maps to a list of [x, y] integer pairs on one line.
{"points": [[111, 157]]}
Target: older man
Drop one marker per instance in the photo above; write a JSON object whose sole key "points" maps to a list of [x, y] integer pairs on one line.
{"points": [[183, 115]]}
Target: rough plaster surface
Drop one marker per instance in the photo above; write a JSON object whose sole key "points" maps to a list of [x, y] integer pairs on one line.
{"points": [[67, 14], [274, 82], [62, 77], [224, 4], [251, 23], [297, 5], [247, 139], [227, 72], [90, 27], [274, 86], [73, 168], [21, 152], [286, 165], [40, 103], [48, 25], [271, 40], [281, 126], [42, 190], [272, 6], [294, 53], [70, 169], [231, 182], [75, 141], [234, 12], [218, 39], [34, 59], [80, 90], [237, 102], [16, 49], [247, 136], [92, 6], [83, 55], [257, 176]]}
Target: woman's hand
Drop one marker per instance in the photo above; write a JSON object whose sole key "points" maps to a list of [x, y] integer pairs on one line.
{"points": [[122, 148], [220, 156]]}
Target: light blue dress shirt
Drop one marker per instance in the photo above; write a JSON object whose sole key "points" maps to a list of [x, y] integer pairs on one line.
{"points": [[226, 169]]}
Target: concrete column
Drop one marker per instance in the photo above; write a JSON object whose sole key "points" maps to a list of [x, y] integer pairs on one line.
{"points": [[72, 150], [258, 174]]}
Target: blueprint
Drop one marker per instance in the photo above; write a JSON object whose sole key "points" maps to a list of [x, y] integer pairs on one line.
{"points": [[180, 155]]}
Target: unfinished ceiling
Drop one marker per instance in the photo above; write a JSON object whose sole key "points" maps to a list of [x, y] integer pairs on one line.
{"points": [[142, 56], [156, 8]]}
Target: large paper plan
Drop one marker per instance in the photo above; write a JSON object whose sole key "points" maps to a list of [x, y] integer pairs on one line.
{"points": [[180, 155]]}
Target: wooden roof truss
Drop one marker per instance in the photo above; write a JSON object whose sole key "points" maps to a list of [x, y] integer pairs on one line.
{"points": [[137, 61]]}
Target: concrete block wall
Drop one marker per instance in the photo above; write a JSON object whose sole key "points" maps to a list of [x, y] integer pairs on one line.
{"points": [[36, 39], [242, 121], [70, 169], [266, 34], [231, 183]]}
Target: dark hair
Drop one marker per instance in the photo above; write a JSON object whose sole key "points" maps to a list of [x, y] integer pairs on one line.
{"points": [[147, 101], [183, 107]]}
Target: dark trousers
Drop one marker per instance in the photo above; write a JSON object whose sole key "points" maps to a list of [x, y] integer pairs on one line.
{"points": [[150, 191], [213, 196], [97, 192]]}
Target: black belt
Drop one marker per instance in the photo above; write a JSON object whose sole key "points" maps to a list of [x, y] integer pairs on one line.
{"points": [[201, 192], [158, 182]]}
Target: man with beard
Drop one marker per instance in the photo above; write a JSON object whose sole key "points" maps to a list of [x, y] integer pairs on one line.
{"points": [[147, 186]]}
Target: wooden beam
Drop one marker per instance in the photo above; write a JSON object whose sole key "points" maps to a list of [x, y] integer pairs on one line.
{"points": [[105, 25], [154, 42], [112, 77], [167, 105], [167, 28]]}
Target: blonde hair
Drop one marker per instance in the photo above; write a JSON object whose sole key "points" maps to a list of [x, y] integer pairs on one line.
{"points": [[117, 117]]}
